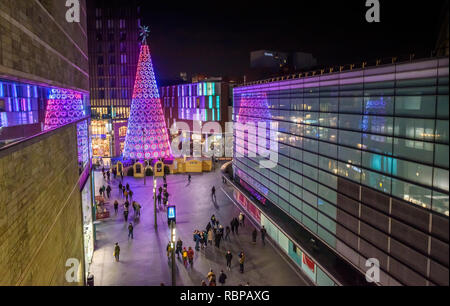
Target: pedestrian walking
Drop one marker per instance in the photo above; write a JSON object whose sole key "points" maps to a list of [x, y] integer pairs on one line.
{"points": [[236, 226], [241, 219], [125, 214], [116, 207], [114, 171], [160, 189], [213, 220], [217, 240], [179, 248], [184, 255], [222, 278], [263, 235], [203, 283], [254, 235], [121, 175], [128, 186], [169, 250], [120, 189], [210, 236], [138, 209], [208, 226], [103, 172], [130, 231], [126, 193], [197, 240], [190, 254], [108, 174], [108, 191], [116, 251], [213, 192], [159, 199], [130, 193], [227, 233], [211, 277], [101, 191], [189, 178], [229, 257], [241, 261]]}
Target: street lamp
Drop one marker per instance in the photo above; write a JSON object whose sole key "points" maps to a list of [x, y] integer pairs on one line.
{"points": [[145, 162], [171, 219], [154, 198]]}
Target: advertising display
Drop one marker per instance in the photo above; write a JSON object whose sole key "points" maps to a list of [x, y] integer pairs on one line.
{"points": [[88, 229]]}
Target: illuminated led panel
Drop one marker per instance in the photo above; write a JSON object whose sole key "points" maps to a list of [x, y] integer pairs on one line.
{"points": [[147, 131], [63, 106]]}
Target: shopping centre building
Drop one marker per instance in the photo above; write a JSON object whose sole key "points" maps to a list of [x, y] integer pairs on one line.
{"points": [[46, 186], [362, 170]]}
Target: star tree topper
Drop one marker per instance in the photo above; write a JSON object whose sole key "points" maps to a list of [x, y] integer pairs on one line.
{"points": [[144, 33]]}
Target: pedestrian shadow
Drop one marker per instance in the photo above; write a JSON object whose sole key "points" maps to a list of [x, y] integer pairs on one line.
{"points": [[214, 200]]}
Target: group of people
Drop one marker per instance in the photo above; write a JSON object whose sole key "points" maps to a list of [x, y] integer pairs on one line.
{"points": [[186, 255], [163, 194]]}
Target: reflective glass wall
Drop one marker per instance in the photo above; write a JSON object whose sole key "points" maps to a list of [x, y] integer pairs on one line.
{"points": [[362, 162]]}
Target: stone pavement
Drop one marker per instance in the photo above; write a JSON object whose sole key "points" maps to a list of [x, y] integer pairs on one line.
{"points": [[143, 260]]}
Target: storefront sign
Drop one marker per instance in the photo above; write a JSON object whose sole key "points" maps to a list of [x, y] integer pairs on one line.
{"points": [[253, 192], [247, 205]]}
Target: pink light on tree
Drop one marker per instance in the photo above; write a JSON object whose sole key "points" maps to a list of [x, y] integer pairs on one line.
{"points": [[147, 133]]}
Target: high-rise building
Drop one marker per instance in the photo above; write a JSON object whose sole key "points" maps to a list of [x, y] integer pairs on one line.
{"points": [[113, 32], [204, 101], [45, 171], [361, 171]]}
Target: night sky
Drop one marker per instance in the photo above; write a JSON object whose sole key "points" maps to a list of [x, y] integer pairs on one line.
{"points": [[216, 37]]}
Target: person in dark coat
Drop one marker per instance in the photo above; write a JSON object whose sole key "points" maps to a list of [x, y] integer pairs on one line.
{"points": [[263, 235], [222, 278], [229, 257], [254, 235], [179, 247]]}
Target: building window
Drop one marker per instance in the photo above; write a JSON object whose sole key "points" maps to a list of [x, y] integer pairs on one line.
{"points": [[123, 36], [123, 47], [99, 36], [101, 94], [111, 47], [123, 69], [98, 12], [112, 82], [100, 71], [112, 70], [110, 24], [123, 58], [112, 60], [110, 36], [124, 94], [122, 23], [100, 60], [98, 24], [101, 83]]}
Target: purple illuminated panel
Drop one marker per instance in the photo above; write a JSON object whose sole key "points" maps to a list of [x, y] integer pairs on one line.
{"points": [[63, 106]]}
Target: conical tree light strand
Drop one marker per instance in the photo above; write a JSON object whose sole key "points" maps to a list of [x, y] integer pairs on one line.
{"points": [[147, 133]]}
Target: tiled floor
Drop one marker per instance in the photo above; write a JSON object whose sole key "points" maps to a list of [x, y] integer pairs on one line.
{"points": [[143, 260]]}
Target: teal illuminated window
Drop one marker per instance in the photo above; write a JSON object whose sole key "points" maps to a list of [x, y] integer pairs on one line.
{"points": [[213, 85], [205, 89], [210, 102], [218, 114], [218, 102], [213, 118]]}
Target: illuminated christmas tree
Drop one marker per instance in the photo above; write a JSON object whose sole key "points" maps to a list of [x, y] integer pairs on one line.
{"points": [[147, 133]]}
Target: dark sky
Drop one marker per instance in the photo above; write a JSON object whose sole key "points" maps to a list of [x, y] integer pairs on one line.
{"points": [[216, 37]]}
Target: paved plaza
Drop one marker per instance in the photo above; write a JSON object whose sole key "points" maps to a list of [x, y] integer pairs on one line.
{"points": [[143, 260]]}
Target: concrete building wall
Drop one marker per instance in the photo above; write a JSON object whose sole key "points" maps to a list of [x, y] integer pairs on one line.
{"points": [[37, 44], [40, 210]]}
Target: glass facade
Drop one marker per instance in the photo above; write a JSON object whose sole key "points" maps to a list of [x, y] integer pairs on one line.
{"points": [[362, 162]]}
